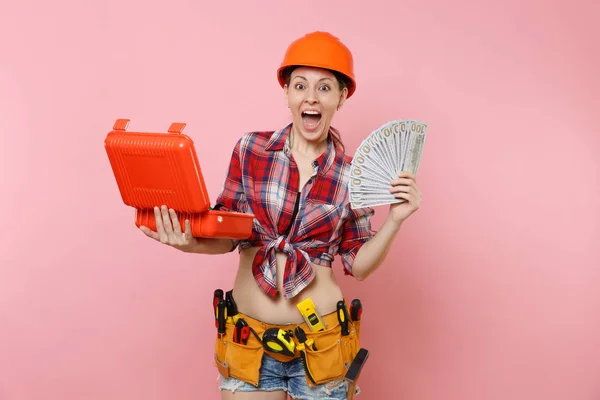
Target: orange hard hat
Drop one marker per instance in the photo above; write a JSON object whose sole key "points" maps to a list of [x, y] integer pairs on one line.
{"points": [[321, 50]]}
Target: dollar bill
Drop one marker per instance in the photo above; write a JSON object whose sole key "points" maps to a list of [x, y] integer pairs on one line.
{"points": [[365, 184], [363, 167], [415, 146], [394, 147], [362, 204]]}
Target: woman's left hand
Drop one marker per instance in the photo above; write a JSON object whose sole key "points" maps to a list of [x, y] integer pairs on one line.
{"points": [[404, 187]]}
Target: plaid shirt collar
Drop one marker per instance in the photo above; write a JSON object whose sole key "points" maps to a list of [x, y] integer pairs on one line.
{"points": [[280, 141]]}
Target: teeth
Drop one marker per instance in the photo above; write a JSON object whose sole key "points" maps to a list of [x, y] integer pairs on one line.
{"points": [[312, 112]]}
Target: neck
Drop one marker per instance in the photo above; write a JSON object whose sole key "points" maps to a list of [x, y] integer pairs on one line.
{"points": [[303, 147]]}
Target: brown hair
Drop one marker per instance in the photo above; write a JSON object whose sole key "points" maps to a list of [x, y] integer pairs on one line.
{"points": [[342, 83]]}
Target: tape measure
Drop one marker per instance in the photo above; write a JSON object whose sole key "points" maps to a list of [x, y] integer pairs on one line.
{"points": [[279, 341]]}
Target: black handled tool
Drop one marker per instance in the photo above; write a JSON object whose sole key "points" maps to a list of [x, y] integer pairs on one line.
{"points": [[342, 314], [221, 316], [357, 364], [231, 306], [218, 295], [355, 310]]}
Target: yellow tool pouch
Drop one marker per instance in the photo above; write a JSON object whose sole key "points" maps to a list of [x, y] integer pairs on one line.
{"points": [[238, 360], [334, 352], [331, 359]]}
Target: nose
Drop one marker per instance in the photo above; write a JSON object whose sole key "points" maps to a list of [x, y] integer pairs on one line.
{"points": [[311, 96]]}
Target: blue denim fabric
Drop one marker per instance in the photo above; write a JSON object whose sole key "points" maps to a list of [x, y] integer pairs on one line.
{"points": [[290, 377]]}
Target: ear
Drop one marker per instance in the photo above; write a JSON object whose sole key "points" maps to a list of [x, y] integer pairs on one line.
{"points": [[342, 99], [285, 93]]}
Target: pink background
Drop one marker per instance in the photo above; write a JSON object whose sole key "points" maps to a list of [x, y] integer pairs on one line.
{"points": [[492, 290]]}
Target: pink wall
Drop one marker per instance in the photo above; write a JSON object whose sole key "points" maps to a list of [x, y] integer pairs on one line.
{"points": [[492, 290]]}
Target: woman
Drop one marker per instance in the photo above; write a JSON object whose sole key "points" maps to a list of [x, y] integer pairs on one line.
{"points": [[295, 183]]}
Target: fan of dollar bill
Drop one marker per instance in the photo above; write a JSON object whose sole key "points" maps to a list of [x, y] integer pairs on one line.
{"points": [[394, 147]]}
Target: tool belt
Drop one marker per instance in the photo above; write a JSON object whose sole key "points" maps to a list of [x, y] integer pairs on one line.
{"points": [[326, 354]]}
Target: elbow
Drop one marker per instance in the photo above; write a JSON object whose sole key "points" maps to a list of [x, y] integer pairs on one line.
{"points": [[361, 271], [359, 275]]}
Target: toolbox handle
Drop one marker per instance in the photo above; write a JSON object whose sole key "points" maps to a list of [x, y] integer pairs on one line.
{"points": [[177, 127], [121, 124]]}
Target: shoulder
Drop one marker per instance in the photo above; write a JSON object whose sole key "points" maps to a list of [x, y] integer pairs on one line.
{"points": [[342, 165], [255, 141], [346, 159]]}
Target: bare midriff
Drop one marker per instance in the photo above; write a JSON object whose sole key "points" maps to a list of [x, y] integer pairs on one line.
{"points": [[324, 291]]}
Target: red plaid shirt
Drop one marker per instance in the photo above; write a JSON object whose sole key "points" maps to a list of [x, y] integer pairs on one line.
{"points": [[263, 179]]}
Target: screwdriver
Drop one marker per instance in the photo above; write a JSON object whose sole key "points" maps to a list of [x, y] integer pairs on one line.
{"points": [[221, 316], [342, 314]]}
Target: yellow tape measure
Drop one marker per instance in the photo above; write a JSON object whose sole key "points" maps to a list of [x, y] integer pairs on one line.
{"points": [[279, 341]]}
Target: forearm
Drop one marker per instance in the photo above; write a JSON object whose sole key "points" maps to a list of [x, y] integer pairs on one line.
{"points": [[371, 254], [213, 246]]}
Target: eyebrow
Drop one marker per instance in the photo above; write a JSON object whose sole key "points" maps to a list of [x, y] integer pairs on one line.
{"points": [[324, 78]]}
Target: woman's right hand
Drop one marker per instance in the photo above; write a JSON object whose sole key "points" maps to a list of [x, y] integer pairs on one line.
{"points": [[168, 230]]}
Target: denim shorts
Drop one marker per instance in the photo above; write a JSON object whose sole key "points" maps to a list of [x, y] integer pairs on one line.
{"points": [[290, 377]]}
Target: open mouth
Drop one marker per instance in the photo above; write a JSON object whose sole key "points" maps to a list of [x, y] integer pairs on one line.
{"points": [[310, 119]]}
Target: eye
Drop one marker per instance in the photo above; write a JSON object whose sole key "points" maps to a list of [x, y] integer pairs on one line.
{"points": [[324, 87], [299, 86]]}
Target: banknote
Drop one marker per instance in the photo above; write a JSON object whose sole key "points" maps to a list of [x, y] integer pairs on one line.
{"points": [[362, 184], [393, 147], [371, 149], [363, 167]]}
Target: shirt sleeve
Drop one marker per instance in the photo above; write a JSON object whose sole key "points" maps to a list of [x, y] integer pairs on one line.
{"points": [[356, 231], [232, 196]]}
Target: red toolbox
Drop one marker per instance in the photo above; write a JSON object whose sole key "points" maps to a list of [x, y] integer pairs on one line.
{"points": [[152, 169]]}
